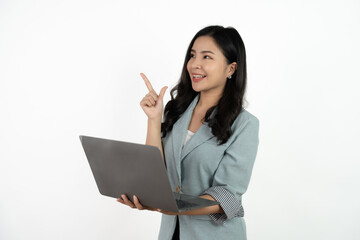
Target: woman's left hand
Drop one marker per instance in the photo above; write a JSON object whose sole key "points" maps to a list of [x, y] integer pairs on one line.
{"points": [[136, 204]]}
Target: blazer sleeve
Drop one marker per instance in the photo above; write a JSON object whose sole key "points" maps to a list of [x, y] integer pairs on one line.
{"points": [[232, 176]]}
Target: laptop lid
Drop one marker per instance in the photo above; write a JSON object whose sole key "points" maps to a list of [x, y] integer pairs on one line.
{"points": [[129, 168]]}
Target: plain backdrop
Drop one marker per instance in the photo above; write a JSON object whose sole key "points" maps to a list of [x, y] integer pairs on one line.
{"points": [[73, 67]]}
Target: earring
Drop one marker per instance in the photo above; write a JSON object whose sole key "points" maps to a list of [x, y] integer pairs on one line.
{"points": [[229, 77]]}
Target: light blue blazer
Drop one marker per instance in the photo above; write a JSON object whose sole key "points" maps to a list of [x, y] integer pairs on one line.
{"points": [[201, 164]]}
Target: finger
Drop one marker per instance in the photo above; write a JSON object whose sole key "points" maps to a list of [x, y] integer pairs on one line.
{"points": [[137, 203], [120, 200], [154, 95], [151, 99], [150, 208], [162, 92], [148, 103], [161, 211], [147, 82], [145, 102], [127, 201]]}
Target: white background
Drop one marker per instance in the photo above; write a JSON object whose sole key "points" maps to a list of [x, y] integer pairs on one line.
{"points": [[72, 67]]}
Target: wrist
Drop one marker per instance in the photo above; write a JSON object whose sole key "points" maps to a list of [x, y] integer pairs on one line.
{"points": [[154, 121]]}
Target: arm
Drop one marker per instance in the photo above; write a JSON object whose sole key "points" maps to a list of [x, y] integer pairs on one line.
{"points": [[152, 104], [153, 136], [199, 211], [232, 176]]}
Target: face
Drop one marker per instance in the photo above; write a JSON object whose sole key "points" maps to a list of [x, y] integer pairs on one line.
{"points": [[207, 66]]}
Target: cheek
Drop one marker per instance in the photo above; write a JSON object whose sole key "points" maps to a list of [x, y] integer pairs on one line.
{"points": [[188, 66], [220, 71]]}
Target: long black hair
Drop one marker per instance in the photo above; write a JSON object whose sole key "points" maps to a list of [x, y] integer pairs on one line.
{"points": [[230, 104]]}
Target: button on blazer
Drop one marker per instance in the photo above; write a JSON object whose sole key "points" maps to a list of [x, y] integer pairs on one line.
{"points": [[202, 164]]}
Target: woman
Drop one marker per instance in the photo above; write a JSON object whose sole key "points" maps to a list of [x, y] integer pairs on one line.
{"points": [[207, 139]]}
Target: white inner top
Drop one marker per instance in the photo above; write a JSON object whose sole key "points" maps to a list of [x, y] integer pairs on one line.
{"points": [[188, 136]]}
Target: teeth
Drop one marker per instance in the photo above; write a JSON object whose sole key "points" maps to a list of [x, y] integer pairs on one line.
{"points": [[199, 76]]}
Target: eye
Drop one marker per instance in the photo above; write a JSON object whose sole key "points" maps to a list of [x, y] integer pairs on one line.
{"points": [[192, 55], [207, 57]]}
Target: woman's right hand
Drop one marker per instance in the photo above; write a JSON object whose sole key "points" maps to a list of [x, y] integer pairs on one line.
{"points": [[152, 104]]}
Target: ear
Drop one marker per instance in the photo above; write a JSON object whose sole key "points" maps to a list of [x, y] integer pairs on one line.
{"points": [[232, 68]]}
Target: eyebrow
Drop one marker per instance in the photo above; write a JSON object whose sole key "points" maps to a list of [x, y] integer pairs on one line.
{"points": [[205, 51]]}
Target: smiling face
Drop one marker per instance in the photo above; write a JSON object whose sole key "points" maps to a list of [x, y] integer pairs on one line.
{"points": [[207, 66]]}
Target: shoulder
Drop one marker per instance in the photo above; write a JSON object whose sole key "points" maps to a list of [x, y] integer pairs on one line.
{"points": [[245, 126], [245, 118]]}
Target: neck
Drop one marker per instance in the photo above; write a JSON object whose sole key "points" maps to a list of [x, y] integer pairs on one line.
{"points": [[208, 100]]}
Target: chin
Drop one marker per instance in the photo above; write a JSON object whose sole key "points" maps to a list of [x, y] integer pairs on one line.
{"points": [[196, 89]]}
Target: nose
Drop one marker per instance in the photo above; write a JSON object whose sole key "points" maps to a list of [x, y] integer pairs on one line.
{"points": [[196, 64]]}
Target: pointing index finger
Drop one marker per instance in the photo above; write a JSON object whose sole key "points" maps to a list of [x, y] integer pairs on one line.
{"points": [[147, 82]]}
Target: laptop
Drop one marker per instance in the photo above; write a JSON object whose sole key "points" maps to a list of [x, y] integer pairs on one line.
{"points": [[135, 169]]}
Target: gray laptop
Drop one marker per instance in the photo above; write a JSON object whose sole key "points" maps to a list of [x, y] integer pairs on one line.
{"points": [[135, 169]]}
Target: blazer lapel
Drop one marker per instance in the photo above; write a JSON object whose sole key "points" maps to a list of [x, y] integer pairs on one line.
{"points": [[179, 133], [202, 134]]}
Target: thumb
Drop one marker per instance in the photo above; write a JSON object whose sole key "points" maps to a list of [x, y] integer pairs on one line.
{"points": [[162, 92]]}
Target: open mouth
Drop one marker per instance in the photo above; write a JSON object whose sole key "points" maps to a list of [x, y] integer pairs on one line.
{"points": [[197, 78]]}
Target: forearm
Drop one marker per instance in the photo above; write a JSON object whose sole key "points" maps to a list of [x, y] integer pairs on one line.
{"points": [[205, 210], [153, 136]]}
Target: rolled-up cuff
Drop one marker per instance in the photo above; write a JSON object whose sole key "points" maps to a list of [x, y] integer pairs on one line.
{"points": [[229, 203]]}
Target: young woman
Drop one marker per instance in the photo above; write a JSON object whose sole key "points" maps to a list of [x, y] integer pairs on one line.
{"points": [[207, 139]]}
